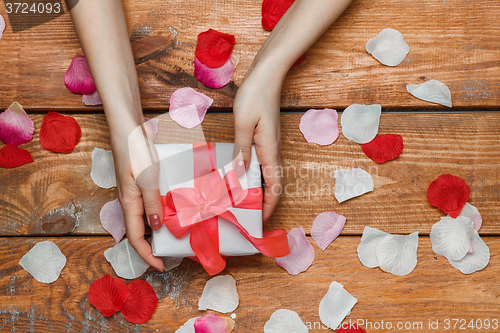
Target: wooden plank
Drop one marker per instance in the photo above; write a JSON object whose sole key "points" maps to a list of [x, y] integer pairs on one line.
{"points": [[453, 41], [55, 195], [433, 291]]}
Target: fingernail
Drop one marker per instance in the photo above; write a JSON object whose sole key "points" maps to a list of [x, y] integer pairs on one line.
{"points": [[154, 222], [239, 168]]}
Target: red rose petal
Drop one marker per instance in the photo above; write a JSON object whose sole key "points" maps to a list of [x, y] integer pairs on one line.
{"points": [[108, 294], [299, 61], [141, 302], [78, 78], [272, 11], [351, 328], [214, 48], [59, 133], [384, 147], [12, 156], [448, 193]]}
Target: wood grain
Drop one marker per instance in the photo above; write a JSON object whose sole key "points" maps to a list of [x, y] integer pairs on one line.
{"points": [[433, 291], [55, 195], [453, 41]]}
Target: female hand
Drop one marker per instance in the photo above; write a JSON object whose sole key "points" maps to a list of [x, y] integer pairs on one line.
{"points": [[136, 167]]}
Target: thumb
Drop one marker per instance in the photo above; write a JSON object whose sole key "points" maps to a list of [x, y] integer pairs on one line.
{"points": [[153, 207], [242, 152]]}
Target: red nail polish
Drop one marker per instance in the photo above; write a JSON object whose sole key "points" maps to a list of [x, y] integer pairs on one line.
{"points": [[239, 168], [154, 222]]}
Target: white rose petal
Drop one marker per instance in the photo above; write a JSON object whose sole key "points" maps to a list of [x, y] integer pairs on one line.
{"points": [[335, 305], [397, 254], [219, 294], [285, 321], [125, 261], [44, 262]]}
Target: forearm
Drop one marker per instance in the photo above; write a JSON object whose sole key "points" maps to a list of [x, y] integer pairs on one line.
{"points": [[303, 23], [102, 30]]}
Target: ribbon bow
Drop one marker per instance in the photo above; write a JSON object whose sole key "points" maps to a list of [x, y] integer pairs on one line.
{"points": [[197, 210]]}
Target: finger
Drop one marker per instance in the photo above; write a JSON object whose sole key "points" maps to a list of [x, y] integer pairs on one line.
{"points": [[268, 149], [153, 207], [133, 210], [135, 233], [243, 134]]}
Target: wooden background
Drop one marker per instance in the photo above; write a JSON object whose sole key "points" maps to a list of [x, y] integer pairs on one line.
{"points": [[53, 198]]}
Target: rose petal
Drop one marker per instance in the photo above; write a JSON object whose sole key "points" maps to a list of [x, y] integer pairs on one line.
{"points": [[2, 26], [448, 193], [12, 156], [335, 305], [388, 47], [475, 261], [299, 61], [352, 328], [103, 169], [219, 294], [384, 147], [171, 262], [59, 133], [188, 107], [108, 294], [326, 227], [91, 99], [214, 48], [360, 122], [212, 323], [397, 254], [272, 11], [78, 78], [112, 220], [301, 253], [367, 248], [188, 326], [320, 126], [44, 262], [141, 302], [16, 127], [452, 237], [125, 261], [218, 77], [431, 91], [153, 124], [473, 213], [352, 183], [285, 321]]}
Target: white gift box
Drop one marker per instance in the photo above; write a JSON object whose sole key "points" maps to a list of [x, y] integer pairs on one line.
{"points": [[177, 171]]}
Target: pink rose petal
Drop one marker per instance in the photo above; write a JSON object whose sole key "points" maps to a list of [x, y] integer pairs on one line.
{"points": [[320, 126], [2, 26], [153, 124], [16, 127], [188, 107], [92, 99], [301, 253], [78, 78], [112, 219], [326, 227], [212, 323], [215, 77]]}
